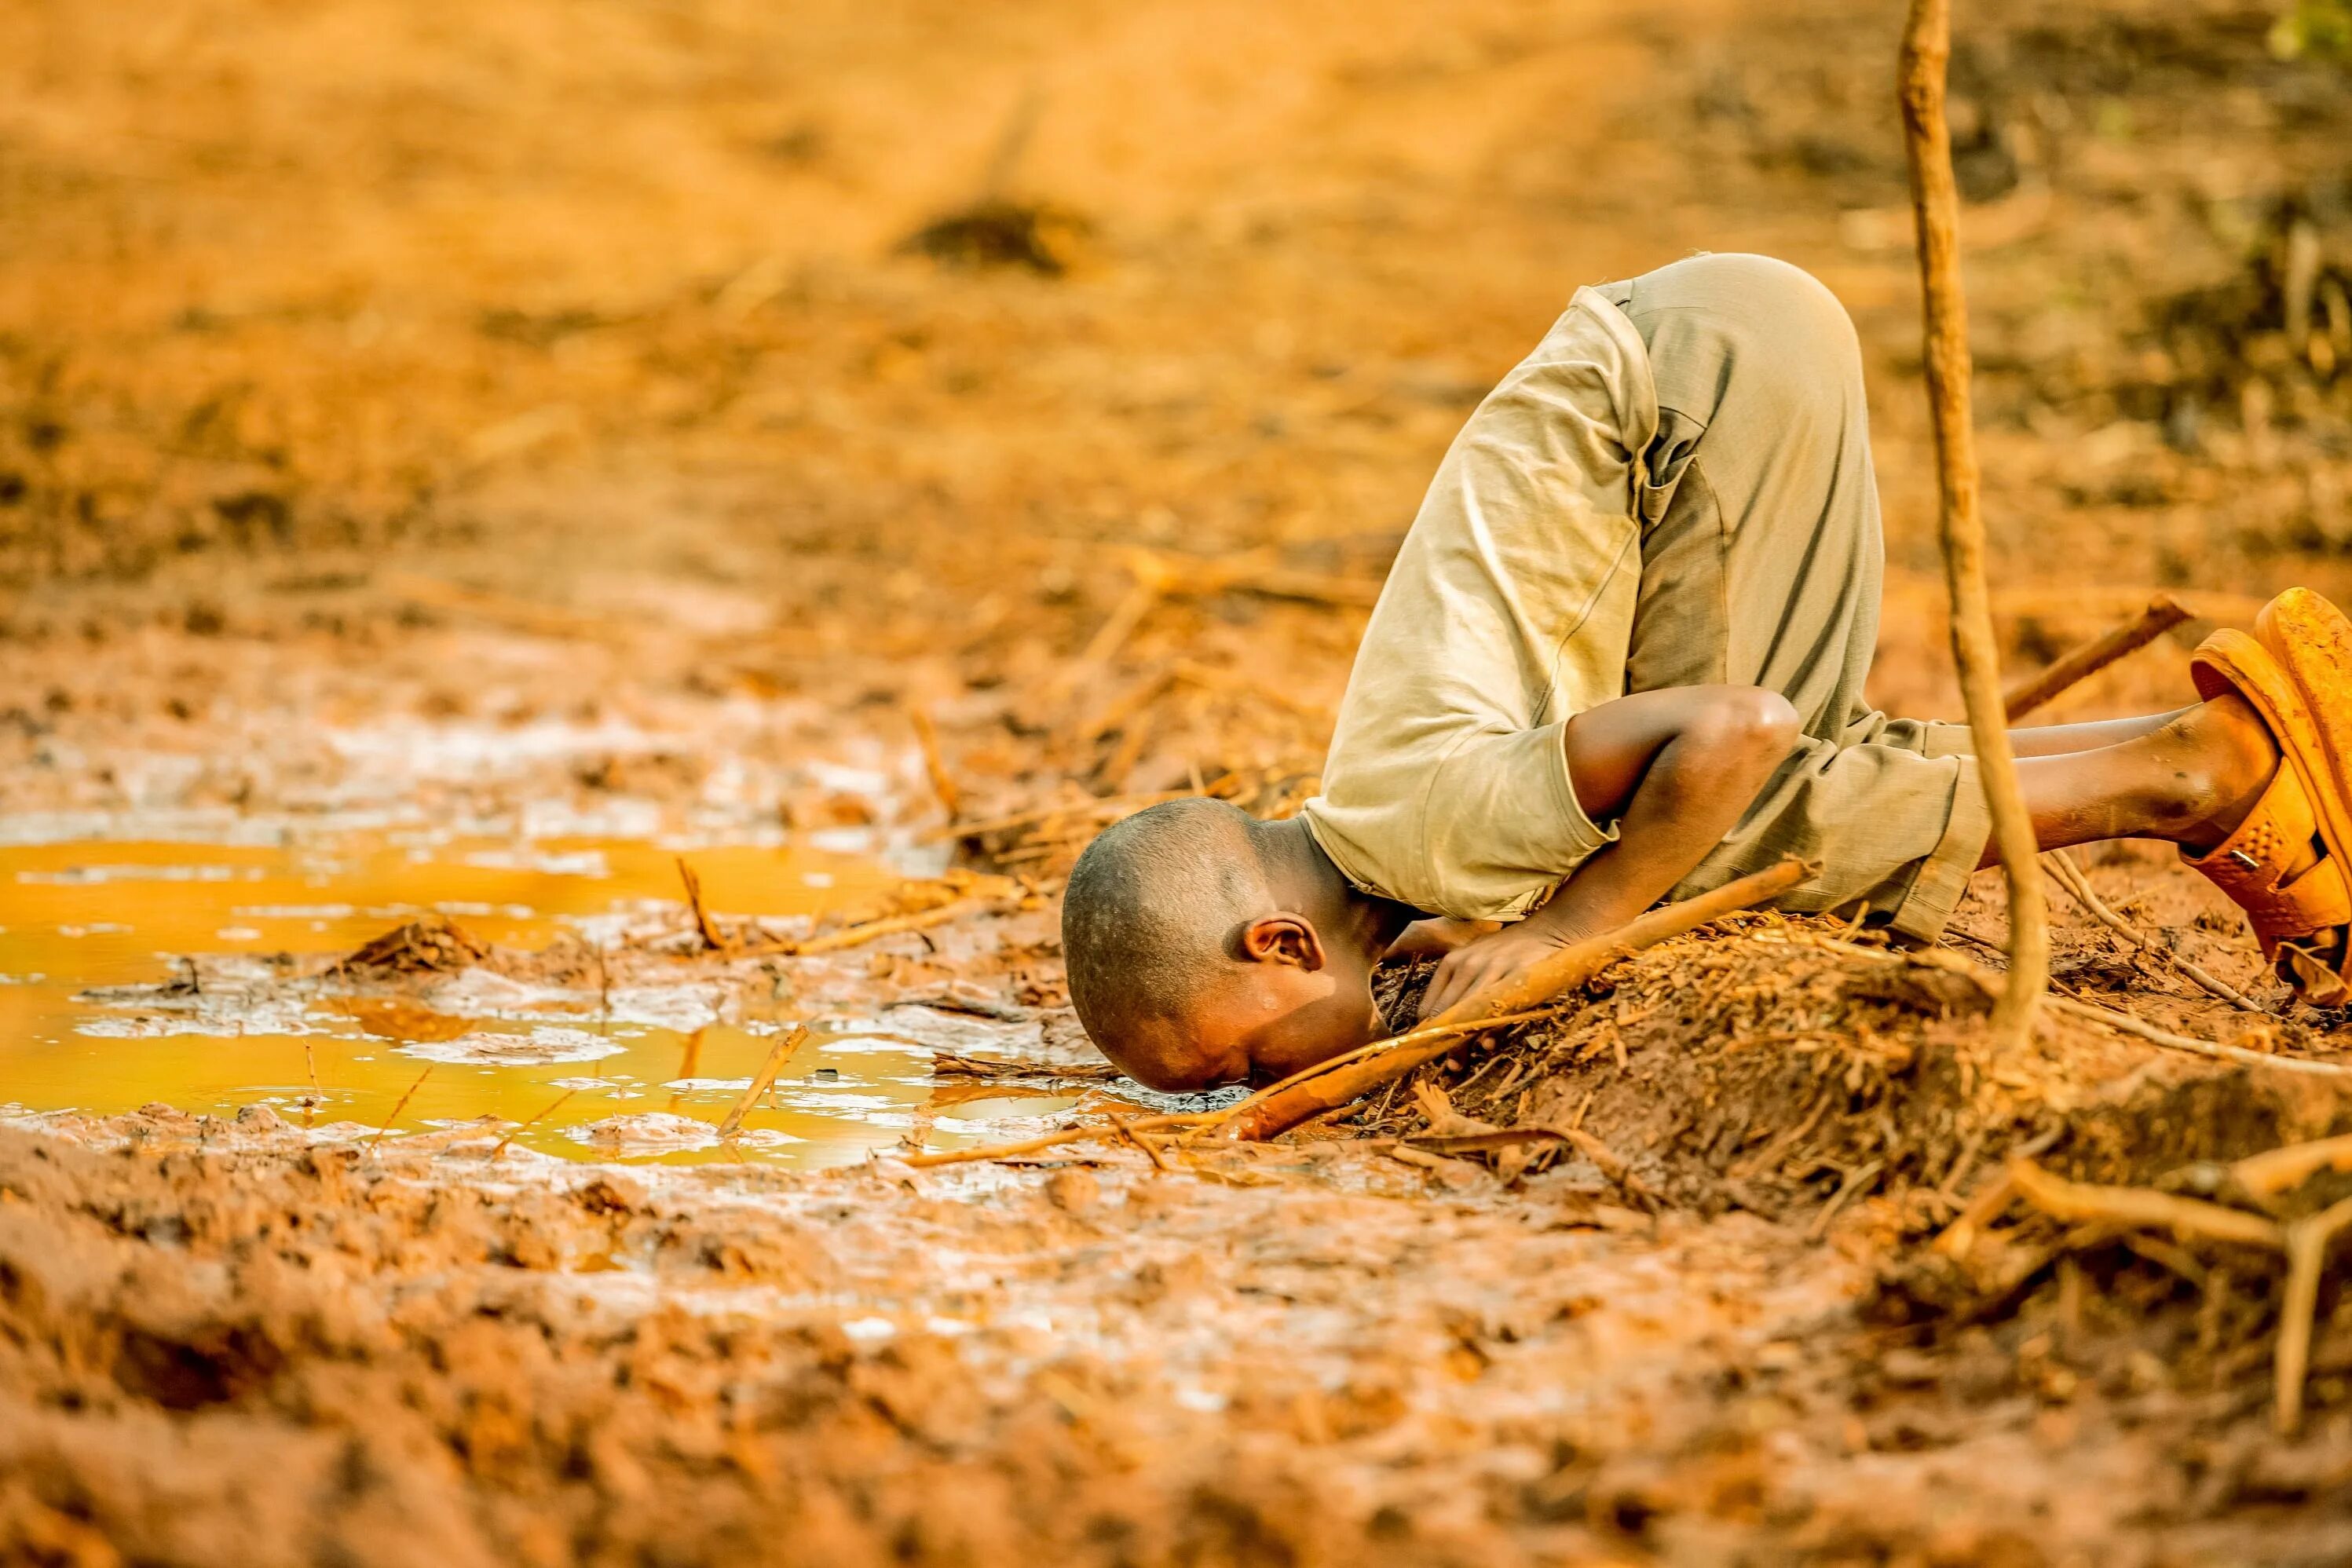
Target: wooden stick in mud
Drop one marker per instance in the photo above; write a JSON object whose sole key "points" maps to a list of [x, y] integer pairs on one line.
{"points": [[943, 784], [397, 1108], [711, 935], [890, 926], [2087, 659], [2281, 1170], [2070, 876], [2304, 1241], [1052, 1140], [2171, 1042], [2307, 1241], [1935, 200], [1568, 967], [1151, 1152], [1202, 1121], [2141, 1208], [763, 1080], [552, 1106]]}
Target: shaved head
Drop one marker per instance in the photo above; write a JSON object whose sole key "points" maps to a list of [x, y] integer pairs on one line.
{"points": [[1149, 918]]}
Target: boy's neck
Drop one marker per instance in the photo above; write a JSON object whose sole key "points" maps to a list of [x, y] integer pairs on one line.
{"points": [[1306, 880]]}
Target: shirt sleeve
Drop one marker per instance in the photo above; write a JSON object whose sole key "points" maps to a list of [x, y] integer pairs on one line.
{"points": [[1503, 825]]}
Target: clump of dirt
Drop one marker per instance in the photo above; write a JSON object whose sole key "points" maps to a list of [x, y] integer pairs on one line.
{"points": [[1035, 236], [1762, 1068], [431, 944], [1804, 1077]]}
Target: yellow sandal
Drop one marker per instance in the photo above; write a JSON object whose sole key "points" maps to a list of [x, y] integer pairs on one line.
{"points": [[2303, 922]]}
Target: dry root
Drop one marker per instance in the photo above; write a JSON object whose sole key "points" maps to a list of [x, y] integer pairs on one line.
{"points": [[2101, 1212]]}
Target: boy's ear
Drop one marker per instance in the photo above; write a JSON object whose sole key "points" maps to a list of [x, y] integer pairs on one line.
{"points": [[1282, 939]]}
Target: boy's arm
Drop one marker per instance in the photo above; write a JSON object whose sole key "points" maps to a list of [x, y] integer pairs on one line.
{"points": [[1677, 768], [1438, 934]]}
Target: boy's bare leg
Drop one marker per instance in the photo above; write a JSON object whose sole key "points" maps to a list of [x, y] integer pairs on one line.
{"points": [[2060, 739], [2187, 778]]}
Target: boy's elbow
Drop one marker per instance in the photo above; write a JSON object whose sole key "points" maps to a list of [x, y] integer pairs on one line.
{"points": [[1750, 721], [1744, 733]]}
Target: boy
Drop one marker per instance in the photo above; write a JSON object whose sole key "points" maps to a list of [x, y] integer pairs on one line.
{"points": [[1620, 656]]}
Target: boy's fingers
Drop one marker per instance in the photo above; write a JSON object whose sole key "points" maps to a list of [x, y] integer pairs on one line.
{"points": [[1451, 983], [1433, 999]]}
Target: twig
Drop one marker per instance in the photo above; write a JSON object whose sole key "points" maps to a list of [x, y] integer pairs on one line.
{"points": [[943, 783], [1204, 1120], [1608, 1162], [1126, 1130], [1846, 1189], [888, 925], [1988, 1206], [2171, 1042], [1934, 199], [2141, 1207], [2282, 1170], [2306, 1251], [1568, 967], [2087, 659], [2072, 878], [764, 1080], [1054, 1140], [1216, 679], [521, 1127], [1011, 144], [702, 921], [1255, 571], [1125, 617], [397, 1108]]}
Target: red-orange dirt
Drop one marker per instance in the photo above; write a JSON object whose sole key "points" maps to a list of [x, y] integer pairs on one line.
{"points": [[732, 422]]}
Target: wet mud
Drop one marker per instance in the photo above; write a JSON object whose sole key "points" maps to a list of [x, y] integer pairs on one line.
{"points": [[570, 586]]}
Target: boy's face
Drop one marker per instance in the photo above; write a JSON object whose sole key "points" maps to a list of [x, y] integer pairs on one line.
{"points": [[1292, 1001]]}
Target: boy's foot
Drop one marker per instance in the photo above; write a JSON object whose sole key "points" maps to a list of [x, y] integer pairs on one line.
{"points": [[2296, 674]]}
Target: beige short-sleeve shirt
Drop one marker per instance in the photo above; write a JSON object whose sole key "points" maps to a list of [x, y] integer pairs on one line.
{"points": [[1509, 609]]}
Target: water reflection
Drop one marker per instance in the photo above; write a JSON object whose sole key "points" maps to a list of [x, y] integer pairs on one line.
{"points": [[603, 1081]]}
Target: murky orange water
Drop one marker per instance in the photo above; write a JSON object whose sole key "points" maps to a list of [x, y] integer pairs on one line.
{"points": [[89, 914]]}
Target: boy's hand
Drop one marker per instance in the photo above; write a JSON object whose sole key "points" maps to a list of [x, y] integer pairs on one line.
{"points": [[1488, 960]]}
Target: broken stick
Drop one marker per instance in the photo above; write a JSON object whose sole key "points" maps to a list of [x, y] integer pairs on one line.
{"points": [[943, 784], [1935, 205], [1202, 1121], [2072, 878], [2274, 1171], [703, 922], [2140, 1208], [520, 1127], [397, 1108], [888, 925], [2084, 660], [1568, 967], [763, 1080], [2307, 1241]]}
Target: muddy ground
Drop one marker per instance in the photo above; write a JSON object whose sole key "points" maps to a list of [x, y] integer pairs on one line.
{"points": [[657, 419]]}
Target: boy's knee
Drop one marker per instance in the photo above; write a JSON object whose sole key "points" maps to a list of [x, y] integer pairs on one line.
{"points": [[1785, 294], [1796, 346]]}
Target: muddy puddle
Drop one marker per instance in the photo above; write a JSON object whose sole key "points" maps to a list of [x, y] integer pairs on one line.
{"points": [[135, 971]]}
